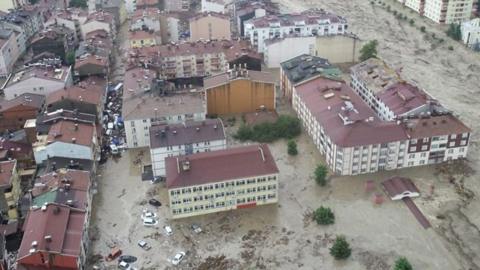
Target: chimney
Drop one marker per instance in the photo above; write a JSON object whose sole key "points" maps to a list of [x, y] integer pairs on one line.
{"points": [[74, 140], [186, 165], [198, 129], [76, 126], [48, 238]]}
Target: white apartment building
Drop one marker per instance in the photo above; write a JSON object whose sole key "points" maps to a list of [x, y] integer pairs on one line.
{"points": [[471, 33], [355, 140], [213, 6], [40, 80], [143, 107], [307, 23], [209, 182], [184, 139], [9, 52], [442, 11]]}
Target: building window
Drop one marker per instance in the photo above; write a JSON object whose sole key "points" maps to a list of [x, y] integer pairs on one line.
{"points": [[422, 162]]}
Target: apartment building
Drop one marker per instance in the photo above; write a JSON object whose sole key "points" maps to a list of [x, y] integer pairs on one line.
{"points": [[184, 139], [38, 79], [145, 19], [307, 23], [239, 91], [9, 190], [26, 23], [145, 105], [204, 58], [14, 112], [139, 39], [246, 10], [213, 6], [9, 52], [175, 5], [303, 68], [209, 182], [471, 33], [209, 25], [67, 139], [55, 237], [84, 98], [356, 138], [442, 11]]}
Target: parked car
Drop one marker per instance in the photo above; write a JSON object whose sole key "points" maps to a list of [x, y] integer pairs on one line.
{"points": [[178, 258], [149, 222], [143, 244], [124, 265], [154, 202], [148, 214], [127, 259], [196, 228], [168, 230]]}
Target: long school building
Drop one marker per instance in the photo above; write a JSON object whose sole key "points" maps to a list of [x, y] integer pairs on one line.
{"points": [[223, 180]]}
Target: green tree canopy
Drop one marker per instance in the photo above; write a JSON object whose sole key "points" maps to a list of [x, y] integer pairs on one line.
{"points": [[321, 175], [324, 216], [369, 50], [402, 264], [341, 249]]}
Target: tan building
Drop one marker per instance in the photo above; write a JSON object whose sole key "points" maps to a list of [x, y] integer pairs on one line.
{"points": [[239, 91], [210, 25], [223, 180]]}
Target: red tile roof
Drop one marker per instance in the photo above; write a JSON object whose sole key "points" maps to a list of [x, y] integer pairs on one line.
{"points": [[6, 172], [84, 93], [91, 60], [308, 16], [25, 100], [435, 126], [403, 97], [66, 131], [63, 224], [222, 165], [77, 180]]}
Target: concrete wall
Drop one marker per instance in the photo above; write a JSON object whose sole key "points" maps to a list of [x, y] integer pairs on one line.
{"points": [[240, 96], [210, 27], [338, 49], [288, 48]]}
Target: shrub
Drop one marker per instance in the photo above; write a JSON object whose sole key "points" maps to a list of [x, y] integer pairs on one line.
{"points": [[402, 264], [341, 249], [395, 12], [292, 148], [412, 22], [321, 175], [324, 216], [285, 127], [422, 29], [450, 48]]}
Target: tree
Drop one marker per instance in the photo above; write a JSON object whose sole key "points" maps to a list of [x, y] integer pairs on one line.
{"points": [[70, 58], [324, 216], [454, 31], [78, 3], [402, 264], [422, 29], [341, 249], [321, 175], [292, 148], [369, 50], [412, 22]]}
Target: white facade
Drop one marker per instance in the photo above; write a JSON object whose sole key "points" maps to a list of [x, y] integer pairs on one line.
{"points": [[9, 52], [36, 85], [223, 196], [442, 11], [213, 6], [278, 51], [279, 29], [376, 157], [471, 32], [93, 25], [137, 131], [62, 149], [150, 22], [158, 155]]}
